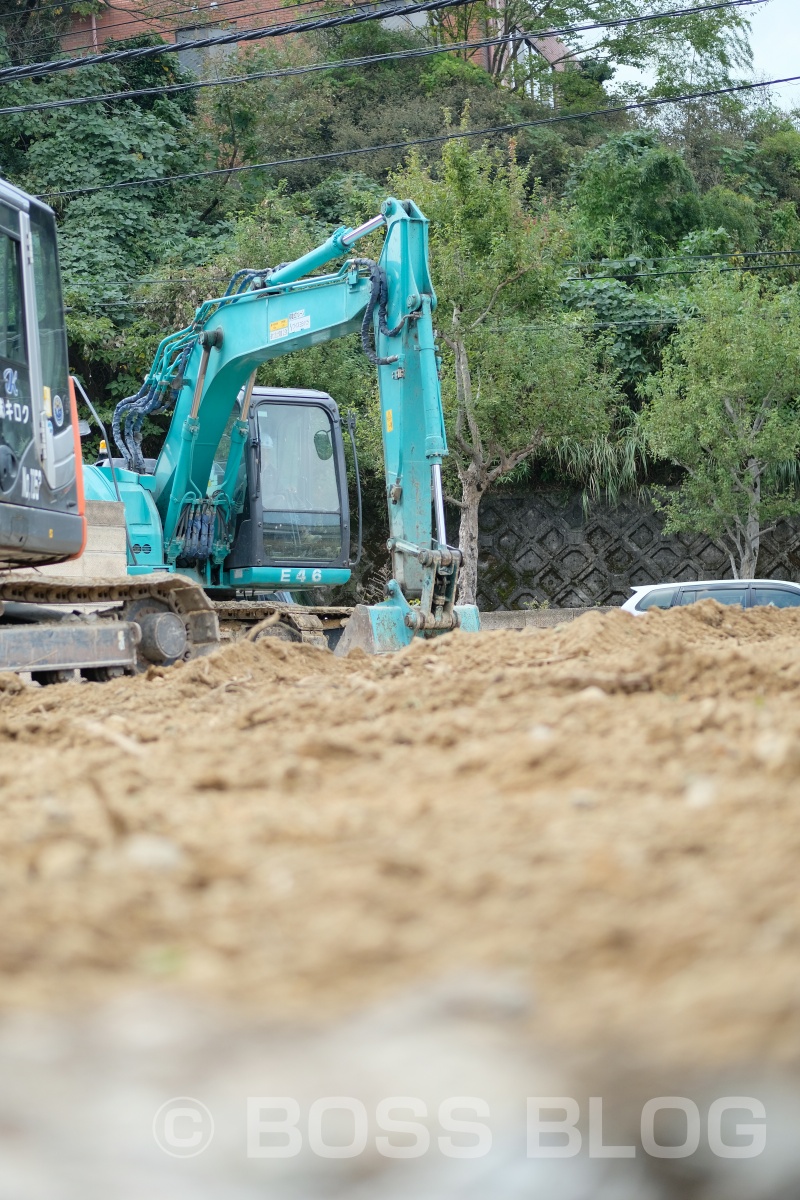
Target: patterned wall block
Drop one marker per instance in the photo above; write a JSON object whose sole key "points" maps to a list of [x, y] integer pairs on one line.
{"points": [[538, 547]]}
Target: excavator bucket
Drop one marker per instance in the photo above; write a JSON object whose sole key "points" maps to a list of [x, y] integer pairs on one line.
{"points": [[382, 628]]}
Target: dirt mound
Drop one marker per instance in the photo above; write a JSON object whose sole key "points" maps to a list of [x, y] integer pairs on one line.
{"points": [[609, 808]]}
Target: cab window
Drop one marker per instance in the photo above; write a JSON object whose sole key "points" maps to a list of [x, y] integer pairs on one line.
{"points": [[298, 484], [776, 597], [12, 326], [50, 315]]}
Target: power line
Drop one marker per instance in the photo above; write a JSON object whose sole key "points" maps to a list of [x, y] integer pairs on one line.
{"points": [[153, 280], [211, 25], [678, 257], [688, 271], [281, 73], [31, 70], [21, 12], [435, 139], [284, 72], [392, 10], [651, 320], [194, 11]]}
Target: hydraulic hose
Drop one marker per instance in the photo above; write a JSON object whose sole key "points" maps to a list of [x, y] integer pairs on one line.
{"points": [[379, 298]]}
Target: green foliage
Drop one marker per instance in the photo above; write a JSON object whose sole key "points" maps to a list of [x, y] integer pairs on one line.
{"points": [[487, 233], [726, 408], [721, 179], [31, 31], [703, 46], [633, 194], [637, 324], [778, 159], [110, 239], [445, 71], [495, 255]]}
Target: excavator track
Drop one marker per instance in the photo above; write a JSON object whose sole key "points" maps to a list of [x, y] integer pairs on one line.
{"points": [[313, 625], [39, 633]]}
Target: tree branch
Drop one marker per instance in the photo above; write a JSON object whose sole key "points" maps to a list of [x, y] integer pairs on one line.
{"points": [[505, 283]]}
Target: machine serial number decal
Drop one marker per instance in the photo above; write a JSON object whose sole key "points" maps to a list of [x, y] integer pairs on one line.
{"points": [[296, 322]]}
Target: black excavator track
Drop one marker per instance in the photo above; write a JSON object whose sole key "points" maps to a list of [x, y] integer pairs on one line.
{"points": [[150, 619], [315, 625]]}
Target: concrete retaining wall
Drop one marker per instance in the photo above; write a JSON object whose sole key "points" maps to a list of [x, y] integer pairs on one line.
{"points": [[542, 546], [534, 618]]}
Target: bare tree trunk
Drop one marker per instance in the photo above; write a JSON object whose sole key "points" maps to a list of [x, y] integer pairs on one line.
{"points": [[468, 538], [752, 541], [751, 532]]}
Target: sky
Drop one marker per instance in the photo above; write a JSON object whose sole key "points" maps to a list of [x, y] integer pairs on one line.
{"points": [[776, 46], [775, 38]]}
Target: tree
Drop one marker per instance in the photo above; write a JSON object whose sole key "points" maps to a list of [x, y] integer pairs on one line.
{"points": [[698, 47], [518, 373], [31, 31], [108, 240], [633, 194], [726, 408]]}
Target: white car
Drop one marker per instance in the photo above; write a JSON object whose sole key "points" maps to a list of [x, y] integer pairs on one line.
{"points": [[748, 593]]}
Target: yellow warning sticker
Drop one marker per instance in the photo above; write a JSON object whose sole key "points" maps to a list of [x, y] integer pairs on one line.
{"points": [[389, 421], [278, 329], [48, 406]]}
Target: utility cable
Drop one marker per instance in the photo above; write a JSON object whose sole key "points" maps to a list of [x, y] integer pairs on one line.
{"points": [[145, 280], [433, 139], [688, 271], [676, 256], [31, 70], [284, 72], [194, 11], [329, 22], [568, 279], [281, 73]]}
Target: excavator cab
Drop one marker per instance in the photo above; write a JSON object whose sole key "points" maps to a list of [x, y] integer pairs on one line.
{"points": [[293, 485], [41, 495]]}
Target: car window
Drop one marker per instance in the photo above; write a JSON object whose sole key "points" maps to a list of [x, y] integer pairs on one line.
{"points": [[723, 595], [777, 597], [658, 598]]}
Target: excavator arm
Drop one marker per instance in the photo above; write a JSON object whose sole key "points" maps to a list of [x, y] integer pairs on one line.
{"points": [[205, 370]]}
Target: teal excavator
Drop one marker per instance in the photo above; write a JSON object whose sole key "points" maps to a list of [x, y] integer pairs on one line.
{"points": [[247, 502]]}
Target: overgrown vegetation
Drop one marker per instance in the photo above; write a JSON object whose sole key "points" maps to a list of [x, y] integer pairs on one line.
{"points": [[586, 270]]}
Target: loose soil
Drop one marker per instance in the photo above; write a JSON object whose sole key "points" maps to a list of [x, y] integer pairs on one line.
{"points": [[610, 810]]}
